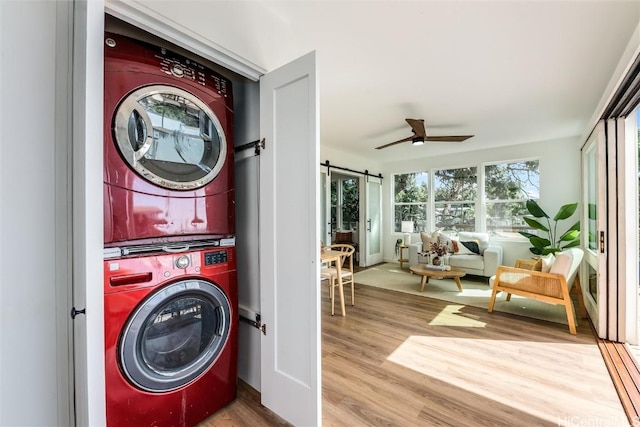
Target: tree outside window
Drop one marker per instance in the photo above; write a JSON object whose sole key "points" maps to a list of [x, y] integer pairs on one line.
{"points": [[410, 200], [455, 194], [345, 204], [350, 204], [507, 188]]}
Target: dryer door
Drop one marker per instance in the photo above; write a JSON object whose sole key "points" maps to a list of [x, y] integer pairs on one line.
{"points": [[170, 137], [175, 335]]}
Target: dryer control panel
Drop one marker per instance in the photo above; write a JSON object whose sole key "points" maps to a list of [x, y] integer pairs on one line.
{"points": [[170, 63]]}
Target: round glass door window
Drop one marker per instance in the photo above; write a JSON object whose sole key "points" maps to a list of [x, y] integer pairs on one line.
{"points": [[175, 335], [170, 137]]}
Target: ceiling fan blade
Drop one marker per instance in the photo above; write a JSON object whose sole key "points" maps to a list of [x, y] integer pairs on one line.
{"points": [[451, 138], [395, 142], [418, 127]]}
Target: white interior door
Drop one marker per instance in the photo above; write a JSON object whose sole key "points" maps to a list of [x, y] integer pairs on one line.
{"points": [[594, 222], [373, 241], [289, 235]]}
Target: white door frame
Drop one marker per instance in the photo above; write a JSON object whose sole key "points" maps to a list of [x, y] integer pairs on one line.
{"points": [[87, 232]]}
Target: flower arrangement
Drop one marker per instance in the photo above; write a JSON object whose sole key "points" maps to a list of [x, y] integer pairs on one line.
{"points": [[438, 248]]}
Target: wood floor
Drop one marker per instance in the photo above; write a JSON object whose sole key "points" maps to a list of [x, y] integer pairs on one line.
{"points": [[401, 360]]}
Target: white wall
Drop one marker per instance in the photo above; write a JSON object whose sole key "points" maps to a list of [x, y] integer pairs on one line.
{"points": [[559, 182], [34, 282]]}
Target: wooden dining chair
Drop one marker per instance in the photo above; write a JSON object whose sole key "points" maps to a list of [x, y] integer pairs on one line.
{"points": [[345, 265]]}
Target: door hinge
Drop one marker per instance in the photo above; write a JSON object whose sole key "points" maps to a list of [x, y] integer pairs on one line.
{"points": [[255, 323], [75, 312], [602, 242]]}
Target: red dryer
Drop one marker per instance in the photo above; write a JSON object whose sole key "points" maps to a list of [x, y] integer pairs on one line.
{"points": [[168, 146], [171, 345]]}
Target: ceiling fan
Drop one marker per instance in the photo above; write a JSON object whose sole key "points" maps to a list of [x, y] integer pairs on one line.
{"points": [[420, 135]]}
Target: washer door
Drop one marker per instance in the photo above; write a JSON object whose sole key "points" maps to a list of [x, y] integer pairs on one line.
{"points": [[170, 137], [175, 335]]}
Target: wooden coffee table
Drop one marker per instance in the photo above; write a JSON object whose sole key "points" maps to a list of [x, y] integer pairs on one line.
{"points": [[446, 274]]}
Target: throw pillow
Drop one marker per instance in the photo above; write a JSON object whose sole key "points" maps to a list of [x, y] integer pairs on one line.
{"points": [[446, 241], [471, 246], [481, 238], [428, 239], [547, 263], [562, 264], [425, 238]]}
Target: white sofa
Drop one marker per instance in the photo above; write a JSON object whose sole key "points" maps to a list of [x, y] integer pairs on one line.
{"points": [[484, 264]]}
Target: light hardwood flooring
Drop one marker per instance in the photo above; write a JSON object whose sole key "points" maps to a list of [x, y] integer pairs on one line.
{"points": [[402, 360]]}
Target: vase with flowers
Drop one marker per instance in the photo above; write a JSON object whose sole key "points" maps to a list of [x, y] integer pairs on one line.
{"points": [[439, 250]]}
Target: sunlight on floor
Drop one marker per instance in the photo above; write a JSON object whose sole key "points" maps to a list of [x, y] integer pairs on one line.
{"points": [[509, 373], [451, 316]]}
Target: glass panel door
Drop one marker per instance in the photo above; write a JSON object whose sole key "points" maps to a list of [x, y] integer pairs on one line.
{"points": [[325, 204], [373, 225], [594, 221]]}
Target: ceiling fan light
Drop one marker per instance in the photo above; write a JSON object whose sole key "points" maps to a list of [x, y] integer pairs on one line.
{"points": [[417, 141]]}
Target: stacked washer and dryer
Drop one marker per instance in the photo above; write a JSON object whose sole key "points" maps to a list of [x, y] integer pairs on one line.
{"points": [[170, 291]]}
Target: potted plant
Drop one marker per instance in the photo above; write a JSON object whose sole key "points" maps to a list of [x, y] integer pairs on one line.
{"points": [[398, 243], [553, 241]]}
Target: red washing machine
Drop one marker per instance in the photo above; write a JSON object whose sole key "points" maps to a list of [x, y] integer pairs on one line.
{"points": [[171, 343], [168, 146]]}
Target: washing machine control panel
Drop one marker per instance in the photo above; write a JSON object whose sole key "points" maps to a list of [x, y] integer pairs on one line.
{"points": [[215, 257], [186, 68]]}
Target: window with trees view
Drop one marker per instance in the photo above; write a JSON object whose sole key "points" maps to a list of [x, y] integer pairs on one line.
{"points": [[410, 200], [455, 194], [459, 203], [345, 204], [507, 188]]}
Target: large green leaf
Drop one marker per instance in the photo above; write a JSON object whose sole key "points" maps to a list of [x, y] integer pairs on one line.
{"points": [[566, 211], [535, 209], [527, 234], [535, 224], [572, 244], [570, 235], [575, 226], [535, 251], [539, 242]]}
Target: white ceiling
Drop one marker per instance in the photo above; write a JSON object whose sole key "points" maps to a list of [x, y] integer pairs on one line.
{"points": [[508, 72]]}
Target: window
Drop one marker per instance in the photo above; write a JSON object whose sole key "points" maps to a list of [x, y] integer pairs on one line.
{"points": [[345, 204], [350, 204], [456, 201], [410, 200], [455, 194], [507, 188]]}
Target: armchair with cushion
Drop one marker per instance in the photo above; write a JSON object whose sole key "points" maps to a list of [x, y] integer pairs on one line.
{"points": [[552, 287], [471, 252]]}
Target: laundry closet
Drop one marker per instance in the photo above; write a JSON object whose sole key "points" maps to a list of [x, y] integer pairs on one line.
{"points": [[277, 311]]}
